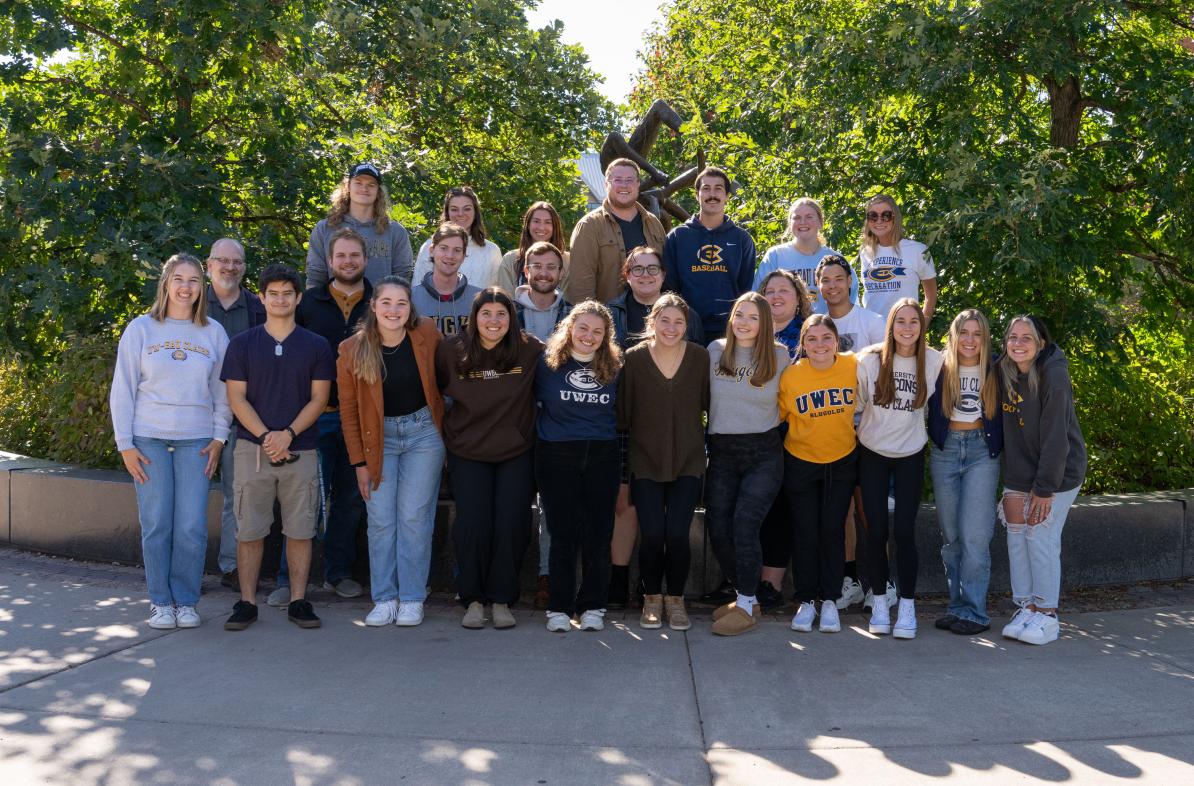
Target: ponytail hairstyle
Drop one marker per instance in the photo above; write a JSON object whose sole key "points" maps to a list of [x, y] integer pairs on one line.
{"points": [[1007, 366], [885, 388], [666, 300], [950, 381], [606, 363], [505, 354], [762, 355], [367, 364]]}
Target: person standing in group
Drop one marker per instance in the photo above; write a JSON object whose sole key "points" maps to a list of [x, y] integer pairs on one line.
{"points": [[746, 463], [237, 309], [894, 381], [444, 294], [893, 266], [790, 305], [817, 397], [170, 417], [540, 224], [966, 430], [391, 411], [709, 260], [540, 308], [577, 461], [602, 239], [279, 376], [334, 311], [360, 203], [482, 257], [804, 251], [1044, 464], [662, 401], [488, 374]]}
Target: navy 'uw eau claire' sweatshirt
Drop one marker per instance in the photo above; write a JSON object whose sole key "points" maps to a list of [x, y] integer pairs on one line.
{"points": [[709, 268]]}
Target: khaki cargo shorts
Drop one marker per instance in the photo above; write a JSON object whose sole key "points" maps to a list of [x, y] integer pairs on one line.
{"points": [[256, 484]]}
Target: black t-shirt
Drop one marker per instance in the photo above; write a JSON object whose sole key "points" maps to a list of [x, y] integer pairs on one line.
{"points": [[402, 387], [278, 377], [636, 320], [632, 231]]}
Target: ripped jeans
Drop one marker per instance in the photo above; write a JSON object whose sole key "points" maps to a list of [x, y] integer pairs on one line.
{"points": [[1034, 552]]}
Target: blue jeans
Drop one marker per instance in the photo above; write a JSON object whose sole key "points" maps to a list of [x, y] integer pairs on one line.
{"points": [[172, 507], [965, 482], [402, 508], [1034, 554], [228, 512]]}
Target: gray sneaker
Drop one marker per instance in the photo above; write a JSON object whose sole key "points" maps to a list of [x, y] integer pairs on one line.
{"points": [[345, 588], [279, 598]]}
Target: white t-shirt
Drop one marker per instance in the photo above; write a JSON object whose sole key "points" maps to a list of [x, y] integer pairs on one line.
{"points": [[858, 329], [897, 429], [969, 405], [480, 264], [891, 274]]}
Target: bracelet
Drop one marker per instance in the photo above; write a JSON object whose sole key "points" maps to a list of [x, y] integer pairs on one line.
{"points": [[264, 434], [293, 436]]}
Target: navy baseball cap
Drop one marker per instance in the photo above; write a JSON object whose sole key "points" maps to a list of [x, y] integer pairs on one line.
{"points": [[365, 168]]}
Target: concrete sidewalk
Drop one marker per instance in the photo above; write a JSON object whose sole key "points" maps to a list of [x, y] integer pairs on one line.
{"points": [[90, 695]]}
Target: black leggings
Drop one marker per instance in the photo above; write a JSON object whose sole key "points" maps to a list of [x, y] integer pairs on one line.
{"points": [[664, 520], [820, 495], [744, 476], [875, 472]]}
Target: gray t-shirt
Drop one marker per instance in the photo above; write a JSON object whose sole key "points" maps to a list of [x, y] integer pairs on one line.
{"points": [[736, 406]]}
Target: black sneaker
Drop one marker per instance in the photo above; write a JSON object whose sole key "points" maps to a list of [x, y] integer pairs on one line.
{"points": [[769, 597], [964, 627], [244, 614], [300, 613], [230, 580], [946, 622], [720, 596]]}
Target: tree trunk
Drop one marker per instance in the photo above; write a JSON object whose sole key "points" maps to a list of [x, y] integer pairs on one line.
{"points": [[1065, 111]]}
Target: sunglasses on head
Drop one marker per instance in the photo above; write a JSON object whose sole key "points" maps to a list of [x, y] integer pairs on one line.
{"points": [[886, 215]]}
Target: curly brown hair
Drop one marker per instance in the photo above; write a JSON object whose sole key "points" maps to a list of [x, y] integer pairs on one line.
{"points": [[608, 360]]}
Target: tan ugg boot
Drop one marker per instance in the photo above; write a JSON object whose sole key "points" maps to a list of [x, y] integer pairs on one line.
{"points": [[652, 618], [677, 615], [735, 622]]}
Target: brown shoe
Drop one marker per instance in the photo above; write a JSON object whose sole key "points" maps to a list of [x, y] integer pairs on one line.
{"points": [[735, 621], [721, 611], [677, 615], [652, 618], [542, 592]]}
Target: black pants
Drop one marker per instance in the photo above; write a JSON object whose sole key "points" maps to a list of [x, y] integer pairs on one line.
{"points": [[775, 536], [578, 486], [909, 474], [744, 476], [664, 519], [819, 496], [493, 525]]}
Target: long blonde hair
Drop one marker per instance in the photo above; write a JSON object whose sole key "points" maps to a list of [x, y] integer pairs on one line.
{"points": [[340, 204], [608, 360], [950, 380], [762, 355], [885, 388], [162, 300], [367, 364], [869, 241]]}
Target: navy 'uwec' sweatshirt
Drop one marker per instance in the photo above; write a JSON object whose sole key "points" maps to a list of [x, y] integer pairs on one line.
{"points": [[710, 268]]}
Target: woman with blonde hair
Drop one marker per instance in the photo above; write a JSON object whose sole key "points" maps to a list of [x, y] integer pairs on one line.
{"points": [[893, 266], [802, 251], [577, 461], [966, 432], [391, 411], [541, 223], [745, 452], [170, 416]]}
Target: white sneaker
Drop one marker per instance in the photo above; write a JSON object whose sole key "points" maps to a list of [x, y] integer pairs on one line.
{"points": [[880, 623], [279, 598], [851, 593], [187, 617], [905, 627], [162, 617], [410, 614], [891, 596], [803, 621], [383, 613], [829, 619], [1041, 629], [593, 619], [558, 622], [1018, 623]]}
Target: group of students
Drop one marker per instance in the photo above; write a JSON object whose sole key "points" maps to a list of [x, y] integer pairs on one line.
{"points": [[684, 370]]}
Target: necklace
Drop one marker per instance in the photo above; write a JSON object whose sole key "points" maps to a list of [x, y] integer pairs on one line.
{"points": [[277, 348], [387, 351]]}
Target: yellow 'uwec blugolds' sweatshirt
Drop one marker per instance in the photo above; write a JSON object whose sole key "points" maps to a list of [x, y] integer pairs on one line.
{"points": [[819, 409]]}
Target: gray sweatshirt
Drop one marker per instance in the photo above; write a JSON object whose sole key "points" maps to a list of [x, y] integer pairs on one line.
{"points": [[450, 312], [539, 322], [1043, 449], [735, 405], [386, 254], [167, 382]]}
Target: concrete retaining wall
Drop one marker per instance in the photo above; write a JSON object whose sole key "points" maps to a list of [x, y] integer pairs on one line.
{"points": [[92, 514]]}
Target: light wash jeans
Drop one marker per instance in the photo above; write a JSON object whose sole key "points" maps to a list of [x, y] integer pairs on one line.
{"points": [[172, 507], [228, 512], [965, 482], [1034, 554], [402, 508]]}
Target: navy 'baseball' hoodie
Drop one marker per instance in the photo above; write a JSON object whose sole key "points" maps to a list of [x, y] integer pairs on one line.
{"points": [[709, 268]]}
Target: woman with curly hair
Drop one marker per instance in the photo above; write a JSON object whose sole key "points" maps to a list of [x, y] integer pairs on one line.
{"points": [[577, 461]]}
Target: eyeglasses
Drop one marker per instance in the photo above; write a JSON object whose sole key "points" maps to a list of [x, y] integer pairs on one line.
{"points": [[227, 261], [645, 270], [886, 215]]}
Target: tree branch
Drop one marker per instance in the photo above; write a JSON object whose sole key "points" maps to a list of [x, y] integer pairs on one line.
{"points": [[112, 39], [138, 108]]}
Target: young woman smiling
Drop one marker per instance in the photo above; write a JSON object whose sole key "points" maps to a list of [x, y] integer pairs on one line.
{"points": [[482, 257], [745, 452], [803, 251], [661, 403], [893, 266], [967, 437], [894, 380], [391, 412], [488, 372], [541, 223]]}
